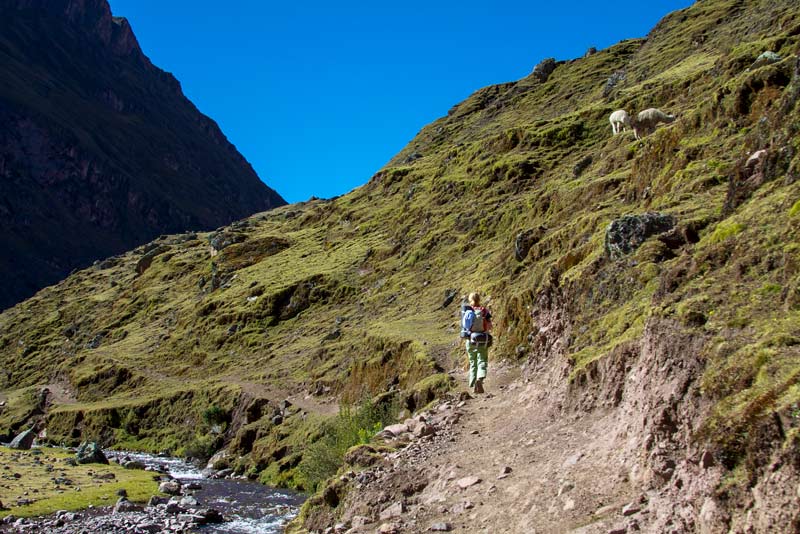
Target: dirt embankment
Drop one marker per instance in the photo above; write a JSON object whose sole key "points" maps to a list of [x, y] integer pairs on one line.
{"points": [[616, 449]]}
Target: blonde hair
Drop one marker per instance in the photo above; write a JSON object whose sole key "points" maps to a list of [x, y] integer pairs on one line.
{"points": [[474, 299]]}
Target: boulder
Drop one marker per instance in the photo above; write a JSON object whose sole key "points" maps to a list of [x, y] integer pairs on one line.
{"points": [[525, 240], [124, 505], [395, 510], [170, 487], [24, 440], [466, 482], [90, 453], [208, 516], [544, 69], [133, 464], [765, 58], [626, 234]]}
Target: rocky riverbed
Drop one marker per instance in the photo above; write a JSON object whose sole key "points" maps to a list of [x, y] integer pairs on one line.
{"points": [[197, 501]]}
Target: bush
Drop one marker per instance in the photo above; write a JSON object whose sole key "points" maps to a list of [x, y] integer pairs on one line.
{"points": [[351, 427]]}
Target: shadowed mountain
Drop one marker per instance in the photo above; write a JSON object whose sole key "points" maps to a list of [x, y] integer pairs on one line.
{"points": [[100, 151]]}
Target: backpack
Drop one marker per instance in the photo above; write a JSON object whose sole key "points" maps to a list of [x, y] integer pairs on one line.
{"points": [[477, 333]]}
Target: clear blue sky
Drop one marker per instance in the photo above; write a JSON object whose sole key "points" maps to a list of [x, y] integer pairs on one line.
{"points": [[320, 95]]}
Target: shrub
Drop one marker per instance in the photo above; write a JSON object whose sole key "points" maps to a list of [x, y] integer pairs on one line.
{"points": [[350, 427]]}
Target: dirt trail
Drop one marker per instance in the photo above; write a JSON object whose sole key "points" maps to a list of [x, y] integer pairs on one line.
{"points": [[562, 470]]}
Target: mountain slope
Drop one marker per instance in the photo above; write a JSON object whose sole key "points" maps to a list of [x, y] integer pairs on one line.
{"points": [[100, 151], [653, 284]]}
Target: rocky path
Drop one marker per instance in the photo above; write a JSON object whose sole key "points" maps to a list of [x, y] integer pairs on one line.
{"points": [[503, 462]]}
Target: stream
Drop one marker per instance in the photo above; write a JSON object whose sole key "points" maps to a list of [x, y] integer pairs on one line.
{"points": [[251, 507], [247, 507]]}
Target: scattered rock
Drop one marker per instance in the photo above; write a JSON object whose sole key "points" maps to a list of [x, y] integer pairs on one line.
{"points": [[466, 482], [565, 487], [441, 527], [90, 453], [613, 81], [390, 528], [630, 509], [449, 297], [396, 430], [24, 440], [124, 505], [620, 529], [395, 510], [569, 504], [133, 464], [706, 460], [765, 58], [170, 487]]}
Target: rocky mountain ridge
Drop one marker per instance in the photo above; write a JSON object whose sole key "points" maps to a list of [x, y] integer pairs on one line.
{"points": [[646, 297], [100, 151]]}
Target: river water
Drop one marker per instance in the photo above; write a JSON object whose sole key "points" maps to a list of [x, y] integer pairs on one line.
{"points": [[251, 507]]}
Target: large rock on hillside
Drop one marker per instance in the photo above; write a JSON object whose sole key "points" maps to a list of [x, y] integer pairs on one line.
{"points": [[626, 234], [100, 150], [24, 440]]}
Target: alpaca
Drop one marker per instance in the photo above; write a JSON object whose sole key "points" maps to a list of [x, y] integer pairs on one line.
{"points": [[619, 120], [647, 120]]}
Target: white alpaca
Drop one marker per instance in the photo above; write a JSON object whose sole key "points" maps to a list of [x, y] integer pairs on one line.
{"points": [[647, 120], [619, 120]]}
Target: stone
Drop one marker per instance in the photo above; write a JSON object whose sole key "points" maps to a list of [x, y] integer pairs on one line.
{"points": [[360, 521], [619, 529], [188, 501], [765, 58], [222, 473], [449, 297], [525, 240], [124, 505], [24, 440], [422, 430], [395, 510], [631, 509], [122, 492], [193, 486], [565, 487], [706, 460], [466, 482], [441, 527], [626, 234], [396, 429], [544, 69], [170, 487], [389, 528], [208, 516], [133, 464], [569, 504], [155, 500], [173, 507], [90, 453]]}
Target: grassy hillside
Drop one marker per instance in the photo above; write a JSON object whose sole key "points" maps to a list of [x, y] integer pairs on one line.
{"points": [[335, 300]]}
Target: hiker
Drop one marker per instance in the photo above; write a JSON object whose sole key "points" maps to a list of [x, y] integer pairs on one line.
{"points": [[476, 322]]}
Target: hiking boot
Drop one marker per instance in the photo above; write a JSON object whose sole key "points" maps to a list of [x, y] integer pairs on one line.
{"points": [[479, 386]]}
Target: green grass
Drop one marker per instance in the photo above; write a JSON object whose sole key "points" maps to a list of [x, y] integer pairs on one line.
{"points": [[36, 483]]}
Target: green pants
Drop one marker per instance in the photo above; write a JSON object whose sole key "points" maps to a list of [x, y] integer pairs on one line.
{"points": [[478, 361]]}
